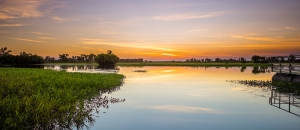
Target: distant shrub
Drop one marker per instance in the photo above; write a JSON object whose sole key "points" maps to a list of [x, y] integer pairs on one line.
{"points": [[107, 60]]}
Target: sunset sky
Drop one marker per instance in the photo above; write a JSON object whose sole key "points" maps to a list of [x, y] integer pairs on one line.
{"points": [[152, 29]]}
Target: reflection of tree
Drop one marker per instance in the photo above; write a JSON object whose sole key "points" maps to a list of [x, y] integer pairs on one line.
{"points": [[64, 67], [243, 69], [282, 92], [257, 70]]}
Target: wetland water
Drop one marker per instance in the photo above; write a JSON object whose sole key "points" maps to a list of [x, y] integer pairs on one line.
{"points": [[192, 99]]}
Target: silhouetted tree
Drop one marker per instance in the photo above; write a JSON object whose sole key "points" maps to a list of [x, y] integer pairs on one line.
{"points": [[4, 51], [218, 60], [255, 58], [64, 57], [243, 60], [107, 60]]}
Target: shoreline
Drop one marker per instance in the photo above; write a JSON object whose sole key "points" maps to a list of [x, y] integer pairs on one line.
{"points": [[141, 64]]}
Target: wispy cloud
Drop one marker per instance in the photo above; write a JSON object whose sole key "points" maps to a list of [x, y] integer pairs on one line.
{"points": [[133, 45], [28, 40], [10, 9], [46, 38], [85, 47], [282, 28], [188, 109], [290, 28], [60, 19], [168, 54], [11, 25], [254, 38], [91, 41], [187, 16], [156, 48], [39, 33]]}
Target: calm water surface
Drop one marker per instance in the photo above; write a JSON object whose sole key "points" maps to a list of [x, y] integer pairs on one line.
{"points": [[177, 98]]}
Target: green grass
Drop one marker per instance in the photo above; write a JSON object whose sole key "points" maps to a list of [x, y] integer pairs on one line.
{"points": [[212, 64], [37, 98]]}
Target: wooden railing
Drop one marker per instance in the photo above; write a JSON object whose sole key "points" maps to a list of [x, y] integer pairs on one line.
{"points": [[290, 67]]}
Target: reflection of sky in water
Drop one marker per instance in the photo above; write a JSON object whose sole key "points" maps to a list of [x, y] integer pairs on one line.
{"points": [[192, 98]]}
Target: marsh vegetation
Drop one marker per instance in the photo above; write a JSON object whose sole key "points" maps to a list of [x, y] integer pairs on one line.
{"points": [[38, 98], [281, 86]]}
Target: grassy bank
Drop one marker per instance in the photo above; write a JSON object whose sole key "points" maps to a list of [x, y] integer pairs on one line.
{"points": [[173, 64], [37, 97]]}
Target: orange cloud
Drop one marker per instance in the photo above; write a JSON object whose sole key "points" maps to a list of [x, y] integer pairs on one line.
{"points": [[186, 16], [20, 9], [253, 38], [28, 40], [167, 54], [11, 25]]}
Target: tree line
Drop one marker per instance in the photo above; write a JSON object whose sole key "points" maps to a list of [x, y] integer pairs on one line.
{"points": [[254, 59], [205, 60], [27, 58], [6, 58], [276, 59], [66, 58], [23, 58]]}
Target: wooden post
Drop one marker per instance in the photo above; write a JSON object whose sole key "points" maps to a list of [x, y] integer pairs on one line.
{"points": [[280, 67], [290, 68], [272, 66], [279, 99], [289, 102]]}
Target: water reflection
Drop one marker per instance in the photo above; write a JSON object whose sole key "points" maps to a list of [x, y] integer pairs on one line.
{"points": [[193, 98], [82, 116], [282, 90], [243, 68], [279, 99], [257, 70], [82, 68]]}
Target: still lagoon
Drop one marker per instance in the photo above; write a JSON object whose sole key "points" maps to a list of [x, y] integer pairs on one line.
{"points": [[177, 98]]}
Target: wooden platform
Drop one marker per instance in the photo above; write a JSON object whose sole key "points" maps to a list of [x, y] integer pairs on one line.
{"points": [[286, 68]]}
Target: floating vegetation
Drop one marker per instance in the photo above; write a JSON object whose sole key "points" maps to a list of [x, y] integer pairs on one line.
{"points": [[281, 86], [47, 99], [252, 83], [142, 71]]}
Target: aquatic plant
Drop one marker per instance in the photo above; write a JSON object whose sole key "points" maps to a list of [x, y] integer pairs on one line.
{"points": [[38, 98], [281, 86]]}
